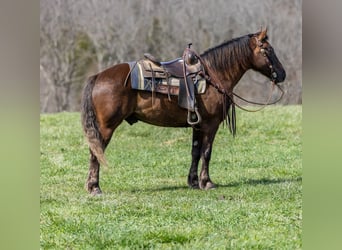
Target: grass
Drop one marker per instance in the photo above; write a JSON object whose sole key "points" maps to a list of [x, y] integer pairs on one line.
{"points": [[146, 201]]}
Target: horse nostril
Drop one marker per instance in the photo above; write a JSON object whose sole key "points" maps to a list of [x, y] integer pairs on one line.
{"points": [[283, 75]]}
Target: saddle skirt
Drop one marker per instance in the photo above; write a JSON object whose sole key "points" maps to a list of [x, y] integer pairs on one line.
{"points": [[148, 76]]}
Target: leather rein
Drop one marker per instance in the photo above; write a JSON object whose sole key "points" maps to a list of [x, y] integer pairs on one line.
{"points": [[229, 115]]}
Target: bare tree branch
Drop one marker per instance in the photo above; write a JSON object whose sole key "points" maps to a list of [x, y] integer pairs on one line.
{"points": [[120, 31]]}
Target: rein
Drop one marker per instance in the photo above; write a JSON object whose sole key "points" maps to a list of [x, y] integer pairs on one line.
{"points": [[229, 115], [258, 103]]}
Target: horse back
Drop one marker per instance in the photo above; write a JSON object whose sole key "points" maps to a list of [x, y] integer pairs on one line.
{"points": [[116, 74]]}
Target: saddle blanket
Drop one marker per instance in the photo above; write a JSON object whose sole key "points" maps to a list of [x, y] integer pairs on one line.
{"points": [[162, 83]]}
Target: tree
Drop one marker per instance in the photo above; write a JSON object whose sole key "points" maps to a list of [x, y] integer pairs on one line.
{"points": [[118, 31], [60, 57]]}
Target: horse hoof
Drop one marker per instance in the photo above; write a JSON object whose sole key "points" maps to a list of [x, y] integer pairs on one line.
{"points": [[194, 186], [208, 185], [96, 191], [193, 182]]}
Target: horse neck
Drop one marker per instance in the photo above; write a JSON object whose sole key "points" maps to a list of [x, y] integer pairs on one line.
{"points": [[229, 63]]}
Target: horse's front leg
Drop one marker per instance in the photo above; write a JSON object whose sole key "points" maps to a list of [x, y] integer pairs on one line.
{"points": [[207, 143], [196, 155]]}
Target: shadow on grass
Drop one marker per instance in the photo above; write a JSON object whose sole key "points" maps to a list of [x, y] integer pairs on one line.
{"points": [[160, 189], [262, 181], [251, 182]]}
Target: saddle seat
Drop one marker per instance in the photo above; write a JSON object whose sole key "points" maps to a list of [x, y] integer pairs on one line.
{"points": [[175, 67], [159, 63]]}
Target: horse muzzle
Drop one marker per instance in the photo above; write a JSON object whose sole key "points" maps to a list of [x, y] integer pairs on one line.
{"points": [[279, 76]]}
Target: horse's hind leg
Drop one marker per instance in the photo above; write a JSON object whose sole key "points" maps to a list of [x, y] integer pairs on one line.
{"points": [[93, 180], [108, 119], [92, 183], [106, 103]]}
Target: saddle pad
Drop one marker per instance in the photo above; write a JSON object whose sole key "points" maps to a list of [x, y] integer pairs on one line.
{"points": [[162, 85]]}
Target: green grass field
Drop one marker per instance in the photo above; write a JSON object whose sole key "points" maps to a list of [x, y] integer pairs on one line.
{"points": [[146, 201]]}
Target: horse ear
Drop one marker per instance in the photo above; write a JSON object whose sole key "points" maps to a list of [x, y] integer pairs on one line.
{"points": [[262, 34]]}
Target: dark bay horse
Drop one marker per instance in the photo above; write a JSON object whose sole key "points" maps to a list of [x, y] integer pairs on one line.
{"points": [[107, 101]]}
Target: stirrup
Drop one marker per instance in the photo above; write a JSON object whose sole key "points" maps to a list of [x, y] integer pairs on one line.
{"points": [[192, 115]]}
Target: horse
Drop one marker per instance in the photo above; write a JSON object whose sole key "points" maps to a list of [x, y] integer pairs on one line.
{"points": [[108, 99]]}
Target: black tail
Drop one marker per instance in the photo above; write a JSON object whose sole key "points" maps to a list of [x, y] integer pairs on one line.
{"points": [[89, 122]]}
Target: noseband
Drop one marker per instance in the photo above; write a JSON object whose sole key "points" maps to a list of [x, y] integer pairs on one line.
{"points": [[264, 52]]}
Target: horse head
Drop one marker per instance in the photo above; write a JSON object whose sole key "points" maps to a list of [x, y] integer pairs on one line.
{"points": [[264, 58]]}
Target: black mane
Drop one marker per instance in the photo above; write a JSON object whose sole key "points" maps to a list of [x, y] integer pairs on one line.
{"points": [[230, 54]]}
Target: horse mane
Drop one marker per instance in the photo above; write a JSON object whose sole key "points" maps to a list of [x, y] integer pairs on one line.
{"points": [[232, 55]]}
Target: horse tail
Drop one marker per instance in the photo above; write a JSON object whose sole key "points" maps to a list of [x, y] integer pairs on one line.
{"points": [[89, 122]]}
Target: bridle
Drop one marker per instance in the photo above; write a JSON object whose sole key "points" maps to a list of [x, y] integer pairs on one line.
{"points": [[273, 78], [229, 115]]}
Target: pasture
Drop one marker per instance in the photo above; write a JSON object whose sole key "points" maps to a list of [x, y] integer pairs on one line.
{"points": [[146, 202]]}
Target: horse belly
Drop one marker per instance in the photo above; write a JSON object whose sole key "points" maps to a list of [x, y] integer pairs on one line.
{"points": [[160, 111]]}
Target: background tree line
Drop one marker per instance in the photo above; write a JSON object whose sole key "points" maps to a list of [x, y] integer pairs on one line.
{"points": [[79, 38]]}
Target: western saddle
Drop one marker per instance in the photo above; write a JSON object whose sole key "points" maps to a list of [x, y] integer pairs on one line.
{"points": [[187, 68]]}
